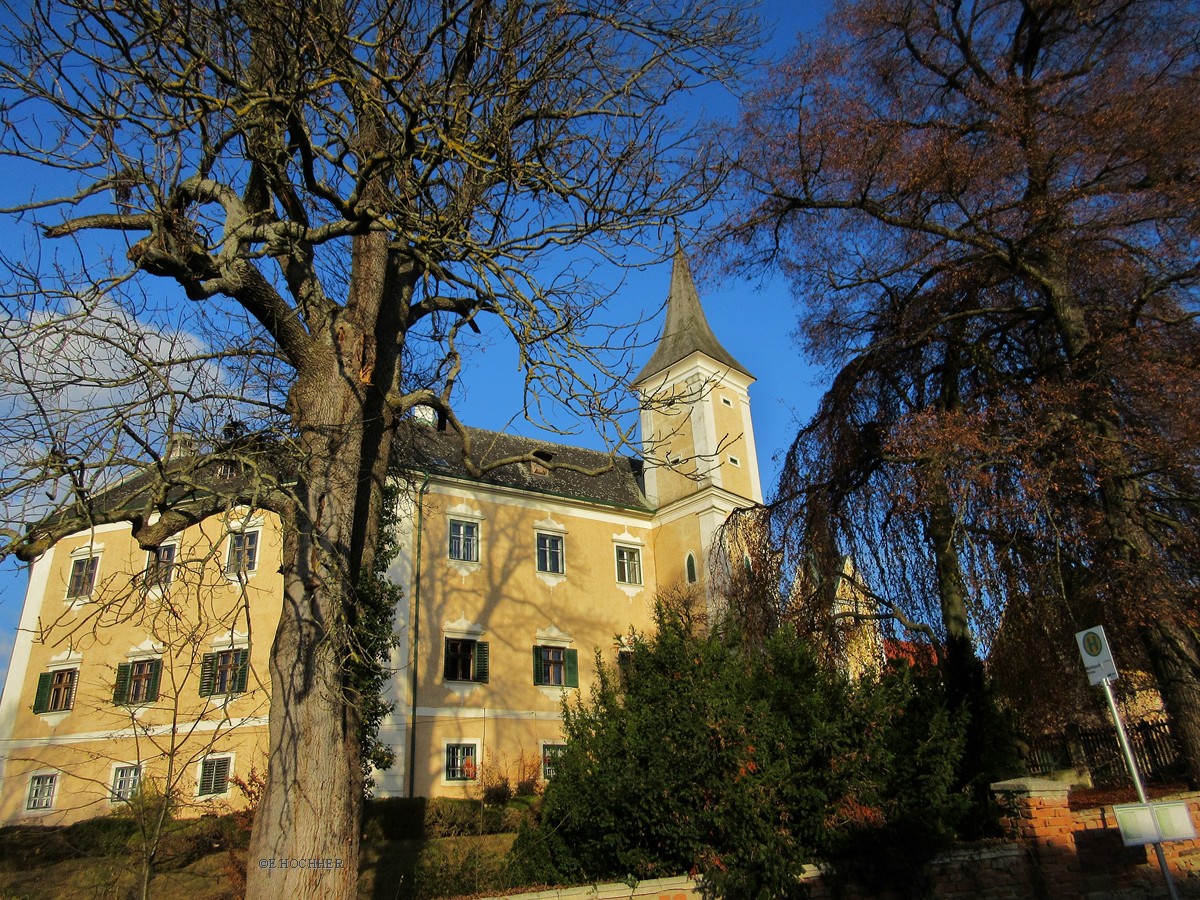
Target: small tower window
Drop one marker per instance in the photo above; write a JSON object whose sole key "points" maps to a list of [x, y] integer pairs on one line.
{"points": [[735, 461], [727, 401], [691, 569]]}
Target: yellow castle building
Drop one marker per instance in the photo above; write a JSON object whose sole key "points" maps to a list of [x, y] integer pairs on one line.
{"points": [[133, 670]]}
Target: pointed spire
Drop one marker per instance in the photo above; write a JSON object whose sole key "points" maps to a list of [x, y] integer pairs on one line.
{"points": [[686, 330]]}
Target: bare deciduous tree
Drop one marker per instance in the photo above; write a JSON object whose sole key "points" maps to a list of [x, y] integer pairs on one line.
{"points": [[990, 210], [322, 201]]}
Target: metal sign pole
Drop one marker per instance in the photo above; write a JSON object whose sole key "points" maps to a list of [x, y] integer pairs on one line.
{"points": [[1137, 781]]}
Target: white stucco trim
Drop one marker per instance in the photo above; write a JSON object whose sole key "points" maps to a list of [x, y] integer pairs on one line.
{"points": [[84, 737], [18, 664]]}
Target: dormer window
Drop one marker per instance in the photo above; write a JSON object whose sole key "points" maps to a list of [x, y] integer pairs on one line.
{"points": [[541, 464]]}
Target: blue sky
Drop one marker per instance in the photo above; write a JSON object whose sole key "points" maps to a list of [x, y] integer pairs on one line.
{"points": [[753, 320]]}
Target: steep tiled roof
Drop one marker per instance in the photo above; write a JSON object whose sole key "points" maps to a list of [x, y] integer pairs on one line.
{"points": [[419, 448], [686, 329], [423, 448]]}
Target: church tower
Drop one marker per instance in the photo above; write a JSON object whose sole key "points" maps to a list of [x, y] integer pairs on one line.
{"points": [[697, 434]]}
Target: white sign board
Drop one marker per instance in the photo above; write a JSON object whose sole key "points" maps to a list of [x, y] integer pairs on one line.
{"points": [[1137, 825], [1097, 658], [1153, 823], [1174, 821]]}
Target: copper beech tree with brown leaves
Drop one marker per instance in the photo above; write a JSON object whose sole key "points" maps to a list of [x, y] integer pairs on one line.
{"points": [[317, 203], [989, 210]]}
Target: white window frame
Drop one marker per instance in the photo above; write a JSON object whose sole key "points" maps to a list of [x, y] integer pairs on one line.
{"points": [[158, 585], [554, 665], [229, 642], [629, 542], [463, 630], [636, 558], [73, 689], [90, 552], [460, 742], [544, 746], [68, 659], [113, 797], [553, 530], [463, 544], [466, 515], [133, 664], [554, 638], [555, 553], [53, 775], [228, 775], [234, 534]]}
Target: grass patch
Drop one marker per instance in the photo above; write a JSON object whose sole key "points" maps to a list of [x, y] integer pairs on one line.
{"points": [[441, 867], [438, 853]]}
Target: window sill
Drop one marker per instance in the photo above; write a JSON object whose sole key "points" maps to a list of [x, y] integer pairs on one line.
{"points": [[461, 688], [552, 579], [464, 567], [554, 691], [54, 716], [630, 590], [136, 708], [223, 700]]}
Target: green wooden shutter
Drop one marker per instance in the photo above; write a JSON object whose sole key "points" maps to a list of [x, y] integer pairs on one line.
{"points": [[41, 700], [572, 667], [539, 676], [214, 775], [446, 659], [242, 674], [121, 691], [481, 662], [208, 674], [155, 679]]}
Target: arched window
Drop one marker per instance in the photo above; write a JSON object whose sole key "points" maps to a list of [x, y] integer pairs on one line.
{"points": [[691, 568]]}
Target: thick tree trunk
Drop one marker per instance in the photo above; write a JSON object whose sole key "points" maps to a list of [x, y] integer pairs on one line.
{"points": [[1168, 641], [306, 832], [1167, 638], [1171, 647]]}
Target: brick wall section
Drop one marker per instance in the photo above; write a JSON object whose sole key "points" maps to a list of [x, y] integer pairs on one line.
{"points": [[1080, 853]]}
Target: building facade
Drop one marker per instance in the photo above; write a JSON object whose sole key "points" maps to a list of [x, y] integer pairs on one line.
{"points": [[134, 673]]}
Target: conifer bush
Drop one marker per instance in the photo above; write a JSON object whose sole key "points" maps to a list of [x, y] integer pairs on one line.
{"points": [[740, 761]]}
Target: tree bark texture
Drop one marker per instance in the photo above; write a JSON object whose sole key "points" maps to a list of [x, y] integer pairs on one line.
{"points": [[306, 832]]}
